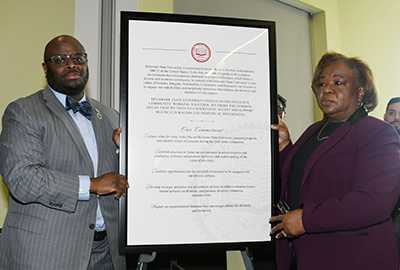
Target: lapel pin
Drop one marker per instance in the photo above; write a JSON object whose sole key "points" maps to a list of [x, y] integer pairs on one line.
{"points": [[98, 113]]}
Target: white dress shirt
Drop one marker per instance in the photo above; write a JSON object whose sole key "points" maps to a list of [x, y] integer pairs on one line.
{"points": [[86, 129]]}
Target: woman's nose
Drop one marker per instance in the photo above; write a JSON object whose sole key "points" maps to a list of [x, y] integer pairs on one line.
{"points": [[328, 88]]}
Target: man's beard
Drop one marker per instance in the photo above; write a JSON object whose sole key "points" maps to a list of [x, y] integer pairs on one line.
{"points": [[396, 127], [70, 90], [398, 130]]}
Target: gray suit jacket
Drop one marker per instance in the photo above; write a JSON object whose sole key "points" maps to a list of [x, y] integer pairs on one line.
{"points": [[41, 155]]}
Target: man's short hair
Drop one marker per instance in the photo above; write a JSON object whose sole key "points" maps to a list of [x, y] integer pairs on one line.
{"points": [[282, 100], [391, 101]]}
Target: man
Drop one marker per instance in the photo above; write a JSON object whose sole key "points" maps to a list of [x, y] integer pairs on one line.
{"points": [[281, 106], [59, 163], [392, 116]]}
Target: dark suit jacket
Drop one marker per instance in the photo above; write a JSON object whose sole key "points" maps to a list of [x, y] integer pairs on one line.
{"points": [[350, 186], [41, 155]]}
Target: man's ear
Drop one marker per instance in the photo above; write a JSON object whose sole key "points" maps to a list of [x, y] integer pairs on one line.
{"points": [[44, 66]]}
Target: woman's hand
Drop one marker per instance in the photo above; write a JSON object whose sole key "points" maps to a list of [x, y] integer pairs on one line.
{"points": [[283, 132], [290, 225]]}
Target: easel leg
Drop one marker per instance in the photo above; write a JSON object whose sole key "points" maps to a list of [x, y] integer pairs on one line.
{"points": [[174, 266], [248, 259], [144, 259]]}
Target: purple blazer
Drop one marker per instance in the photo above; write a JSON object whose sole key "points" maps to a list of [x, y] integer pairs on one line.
{"points": [[350, 186]]}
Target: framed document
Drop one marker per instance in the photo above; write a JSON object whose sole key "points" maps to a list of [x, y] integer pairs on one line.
{"points": [[198, 96]]}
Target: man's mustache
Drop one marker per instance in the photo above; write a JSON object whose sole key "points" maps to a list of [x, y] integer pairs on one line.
{"points": [[73, 71]]}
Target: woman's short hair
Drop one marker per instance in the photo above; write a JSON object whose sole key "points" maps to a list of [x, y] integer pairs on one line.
{"points": [[361, 72]]}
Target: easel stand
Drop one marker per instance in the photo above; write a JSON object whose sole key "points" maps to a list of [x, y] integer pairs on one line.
{"points": [[144, 259], [248, 259], [174, 266]]}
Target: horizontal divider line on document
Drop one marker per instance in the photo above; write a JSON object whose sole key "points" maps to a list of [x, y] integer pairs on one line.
{"points": [[236, 52], [162, 49]]}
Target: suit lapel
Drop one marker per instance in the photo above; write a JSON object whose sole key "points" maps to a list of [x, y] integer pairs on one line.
{"points": [[320, 151], [334, 138], [63, 116], [98, 131]]}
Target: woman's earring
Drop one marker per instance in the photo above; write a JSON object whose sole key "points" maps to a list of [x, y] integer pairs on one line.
{"points": [[360, 103]]}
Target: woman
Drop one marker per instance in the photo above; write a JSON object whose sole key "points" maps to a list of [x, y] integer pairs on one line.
{"points": [[341, 179]]}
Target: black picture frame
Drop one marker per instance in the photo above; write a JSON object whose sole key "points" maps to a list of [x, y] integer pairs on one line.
{"points": [[126, 17]]}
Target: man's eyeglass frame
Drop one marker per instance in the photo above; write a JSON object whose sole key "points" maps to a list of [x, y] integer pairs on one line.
{"points": [[281, 111], [75, 58]]}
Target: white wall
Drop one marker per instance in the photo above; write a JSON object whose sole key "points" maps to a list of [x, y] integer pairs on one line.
{"points": [[88, 32]]}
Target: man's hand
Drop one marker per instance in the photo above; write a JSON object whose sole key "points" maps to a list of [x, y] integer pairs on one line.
{"points": [[283, 133], [108, 183], [290, 225], [116, 135]]}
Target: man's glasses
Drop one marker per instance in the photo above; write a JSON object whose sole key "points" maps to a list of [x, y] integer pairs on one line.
{"points": [[283, 207], [281, 112], [61, 60]]}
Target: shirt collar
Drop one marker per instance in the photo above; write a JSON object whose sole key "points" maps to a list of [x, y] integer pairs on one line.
{"points": [[61, 97]]}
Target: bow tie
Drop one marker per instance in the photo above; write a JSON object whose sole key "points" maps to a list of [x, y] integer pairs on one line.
{"points": [[83, 107]]}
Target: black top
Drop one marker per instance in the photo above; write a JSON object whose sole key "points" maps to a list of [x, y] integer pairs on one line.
{"points": [[300, 160]]}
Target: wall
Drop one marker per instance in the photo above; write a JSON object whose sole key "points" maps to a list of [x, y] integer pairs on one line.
{"points": [[26, 27], [368, 29], [87, 31]]}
